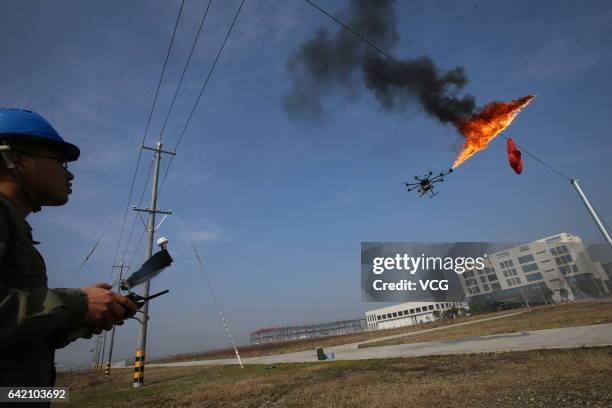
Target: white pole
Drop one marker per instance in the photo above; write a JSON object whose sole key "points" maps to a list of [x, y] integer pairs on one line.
{"points": [[591, 210]]}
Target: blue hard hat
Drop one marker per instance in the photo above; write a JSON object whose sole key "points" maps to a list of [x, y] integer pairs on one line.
{"points": [[20, 126]]}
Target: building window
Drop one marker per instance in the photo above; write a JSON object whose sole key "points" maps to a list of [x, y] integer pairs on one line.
{"points": [[525, 259], [400, 313], [502, 254], [560, 260], [430, 307], [495, 286], [510, 272], [530, 267], [378, 318], [524, 248], [509, 282], [574, 268], [418, 309], [437, 306], [394, 314], [562, 249], [540, 252], [534, 277], [406, 312], [411, 311], [485, 287]]}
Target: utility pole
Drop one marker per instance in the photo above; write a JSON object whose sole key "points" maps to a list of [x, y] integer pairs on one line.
{"points": [[95, 356], [112, 340], [139, 360], [96, 350], [102, 352], [591, 210]]}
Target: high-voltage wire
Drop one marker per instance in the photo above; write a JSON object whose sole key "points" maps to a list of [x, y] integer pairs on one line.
{"points": [[129, 240], [178, 87], [91, 251], [540, 161], [176, 24], [210, 72]]}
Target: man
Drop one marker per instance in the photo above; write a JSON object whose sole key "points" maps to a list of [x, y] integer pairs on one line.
{"points": [[36, 320]]}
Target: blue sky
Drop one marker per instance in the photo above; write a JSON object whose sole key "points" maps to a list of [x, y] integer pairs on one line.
{"points": [[278, 208]]}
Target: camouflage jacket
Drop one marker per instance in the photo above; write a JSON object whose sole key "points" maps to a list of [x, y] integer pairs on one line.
{"points": [[34, 320]]}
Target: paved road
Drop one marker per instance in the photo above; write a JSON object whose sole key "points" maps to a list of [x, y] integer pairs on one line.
{"points": [[568, 337]]}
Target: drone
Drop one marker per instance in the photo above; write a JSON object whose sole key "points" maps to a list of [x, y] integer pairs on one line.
{"points": [[425, 185]]}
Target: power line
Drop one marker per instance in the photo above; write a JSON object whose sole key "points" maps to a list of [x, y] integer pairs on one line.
{"points": [[210, 72], [91, 251], [540, 161], [146, 131], [163, 71], [127, 244], [357, 34], [137, 247], [144, 190], [185, 69]]}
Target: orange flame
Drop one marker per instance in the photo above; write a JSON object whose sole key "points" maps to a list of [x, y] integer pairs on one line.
{"points": [[480, 128]]}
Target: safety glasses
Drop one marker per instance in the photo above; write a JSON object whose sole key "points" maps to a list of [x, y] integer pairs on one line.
{"points": [[58, 159]]}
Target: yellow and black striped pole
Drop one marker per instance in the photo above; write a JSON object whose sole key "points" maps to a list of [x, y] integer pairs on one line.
{"points": [[107, 369], [139, 362]]}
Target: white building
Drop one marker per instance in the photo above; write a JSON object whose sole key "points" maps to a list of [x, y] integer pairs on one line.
{"points": [[550, 269], [407, 314]]}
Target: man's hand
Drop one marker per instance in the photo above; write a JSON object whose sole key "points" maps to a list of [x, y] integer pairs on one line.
{"points": [[106, 307]]}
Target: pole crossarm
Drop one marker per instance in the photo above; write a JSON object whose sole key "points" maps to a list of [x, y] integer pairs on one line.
{"points": [[148, 210], [159, 150]]}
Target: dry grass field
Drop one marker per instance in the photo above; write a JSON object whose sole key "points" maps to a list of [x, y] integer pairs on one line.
{"points": [[535, 318], [311, 344], [541, 378]]}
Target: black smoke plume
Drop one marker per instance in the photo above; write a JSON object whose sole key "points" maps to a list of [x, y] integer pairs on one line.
{"points": [[329, 61]]}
